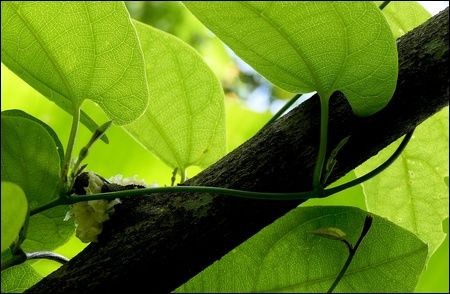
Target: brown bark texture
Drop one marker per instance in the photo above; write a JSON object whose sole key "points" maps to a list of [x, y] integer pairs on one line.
{"points": [[159, 242]]}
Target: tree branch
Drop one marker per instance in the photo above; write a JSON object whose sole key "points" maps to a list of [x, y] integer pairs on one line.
{"points": [[160, 242]]}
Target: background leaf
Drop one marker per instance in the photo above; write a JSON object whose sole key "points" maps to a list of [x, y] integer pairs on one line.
{"points": [[30, 158], [307, 46], [411, 192], [184, 124], [389, 259], [14, 212], [50, 131], [91, 52], [47, 230], [404, 16], [18, 278]]}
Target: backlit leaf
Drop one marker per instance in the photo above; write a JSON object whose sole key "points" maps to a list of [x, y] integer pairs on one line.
{"points": [[286, 257], [30, 158], [404, 16], [18, 278], [311, 46], [411, 192], [14, 212], [184, 124], [47, 230], [71, 51]]}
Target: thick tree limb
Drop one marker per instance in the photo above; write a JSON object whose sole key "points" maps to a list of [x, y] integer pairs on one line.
{"points": [[159, 242]]}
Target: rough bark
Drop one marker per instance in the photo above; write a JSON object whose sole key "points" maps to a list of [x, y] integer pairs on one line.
{"points": [[159, 242]]}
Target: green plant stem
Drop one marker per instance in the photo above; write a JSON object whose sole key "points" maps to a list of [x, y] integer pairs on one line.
{"points": [[376, 171], [352, 252], [282, 110], [47, 255], [70, 144], [317, 175], [51, 204], [384, 4], [317, 193]]}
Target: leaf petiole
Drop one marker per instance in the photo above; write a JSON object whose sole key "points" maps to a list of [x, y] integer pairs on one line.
{"points": [[317, 175], [70, 144]]}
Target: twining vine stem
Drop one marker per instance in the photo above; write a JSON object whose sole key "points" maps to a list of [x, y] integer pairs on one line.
{"points": [[352, 251], [319, 192], [317, 175], [283, 110]]}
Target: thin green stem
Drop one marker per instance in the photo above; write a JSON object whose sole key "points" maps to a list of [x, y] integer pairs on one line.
{"points": [[384, 4], [69, 149], [197, 189], [352, 252], [317, 175], [376, 171], [316, 193], [47, 255], [283, 110], [183, 175], [51, 204]]}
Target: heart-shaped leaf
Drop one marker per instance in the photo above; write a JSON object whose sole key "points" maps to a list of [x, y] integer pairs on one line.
{"points": [[71, 51], [30, 157], [184, 124], [286, 257], [311, 46], [14, 212], [404, 16]]}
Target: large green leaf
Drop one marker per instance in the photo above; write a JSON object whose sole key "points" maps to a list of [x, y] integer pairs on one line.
{"points": [[30, 158], [48, 230], [71, 51], [404, 16], [184, 124], [412, 192], [14, 212], [19, 278], [287, 257], [311, 46]]}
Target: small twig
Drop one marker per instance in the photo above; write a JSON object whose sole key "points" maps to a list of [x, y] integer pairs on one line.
{"points": [[384, 4], [352, 251]]}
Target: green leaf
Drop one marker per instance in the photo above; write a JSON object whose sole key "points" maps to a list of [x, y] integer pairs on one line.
{"points": [[48, 230], [19, 278], [404, 16], [14, 212], [50, 131], [311, 46], [286, 257], [30, 158], [411, 192], [75, 51], [184, 124]]}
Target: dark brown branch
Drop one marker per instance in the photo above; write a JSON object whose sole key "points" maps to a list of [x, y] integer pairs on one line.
{"points": [[158, 243]]}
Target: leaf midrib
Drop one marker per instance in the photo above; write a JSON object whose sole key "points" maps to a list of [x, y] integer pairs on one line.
{"points": [[287, 38], [348, 273]]}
